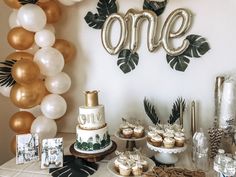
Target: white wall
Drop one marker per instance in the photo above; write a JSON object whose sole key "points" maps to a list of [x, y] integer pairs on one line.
{"points": [[153, 78], [122, 94], [6, 107]]}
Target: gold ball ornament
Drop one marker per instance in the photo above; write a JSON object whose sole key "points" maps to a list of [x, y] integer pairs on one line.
{"points": [[28, 96], [20, 39], [52, 10], [20, 55], [21, 122], [25, 71], [66, 48], [13, 145], [15, 4]]}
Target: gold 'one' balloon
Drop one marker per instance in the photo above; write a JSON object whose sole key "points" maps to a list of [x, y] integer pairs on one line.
{"points": [[13, 3], [42, 1], [13, 145], [20, 39], [52, 10], [21, 122], [66, 48], [28, 96], [20, 55], [25, 71]]}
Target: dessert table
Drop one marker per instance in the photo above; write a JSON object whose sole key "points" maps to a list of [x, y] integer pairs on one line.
{"points": [[10, 169]]}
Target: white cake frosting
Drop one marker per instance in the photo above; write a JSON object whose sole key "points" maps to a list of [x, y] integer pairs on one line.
{"points": [[91, 117]]}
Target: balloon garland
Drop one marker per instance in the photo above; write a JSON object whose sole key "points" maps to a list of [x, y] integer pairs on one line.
{"points": [[32, 75]]}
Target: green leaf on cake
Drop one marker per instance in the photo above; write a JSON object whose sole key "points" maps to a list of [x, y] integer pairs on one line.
{"points": [[151, 112], [174, 116], [84, 146], [90, 146], [96, 146], [127, 60], [156, 6], [198, 46]]}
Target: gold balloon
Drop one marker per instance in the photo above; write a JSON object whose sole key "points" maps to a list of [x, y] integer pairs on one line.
{"points": [[13, 3], [25, 71], [21, 122], [20, 39], [20, 55], [13, 145], [28, 96], [66, 48], [52, 11]]}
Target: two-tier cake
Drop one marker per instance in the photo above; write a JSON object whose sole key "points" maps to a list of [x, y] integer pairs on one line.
{"points": [[92, 131]]}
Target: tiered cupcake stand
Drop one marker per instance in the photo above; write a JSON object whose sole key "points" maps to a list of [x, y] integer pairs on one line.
{"points": [[93, 157], [130, 142], [166, 155]]}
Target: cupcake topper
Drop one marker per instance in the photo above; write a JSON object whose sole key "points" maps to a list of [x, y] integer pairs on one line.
{"points": [[91, 98]]}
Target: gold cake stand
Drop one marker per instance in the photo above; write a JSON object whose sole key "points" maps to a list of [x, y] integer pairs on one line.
{"points": [[93, 157]]}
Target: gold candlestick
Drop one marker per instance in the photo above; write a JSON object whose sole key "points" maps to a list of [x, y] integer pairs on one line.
{"points": [[91, 98], [193, 118]]}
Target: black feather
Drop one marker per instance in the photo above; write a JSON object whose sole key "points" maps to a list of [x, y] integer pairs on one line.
{"points": [[6, 78], [23, 2], [150, 111]]}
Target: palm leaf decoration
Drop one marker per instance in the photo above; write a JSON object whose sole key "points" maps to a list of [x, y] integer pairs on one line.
{"points": [[6, 78], [198, 46], [151, 112], [174, 116], [127, 60], [74, 167], [23, 2], [155, 6], [104, 8]]}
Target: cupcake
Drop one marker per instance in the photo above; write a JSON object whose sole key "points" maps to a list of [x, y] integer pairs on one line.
{"points": [[152, 134], [169, 130], [169, 135], [137, 169], [169, 142], [138, 131], [125, 169], [128, 132], [156, 140], [179, 141], [117, 163], [178, 134], [160, 132], [152, 128], [131, 125]]}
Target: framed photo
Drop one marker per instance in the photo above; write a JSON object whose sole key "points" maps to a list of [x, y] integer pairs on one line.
{"points": [[52, 153], [27, 148]]}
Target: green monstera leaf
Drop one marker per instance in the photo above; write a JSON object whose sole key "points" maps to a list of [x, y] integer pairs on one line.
{"points": [[127, 60], [94, 20], [6, 78], [106, 7], [198, 46], [23, 2], [155, 6], [179, 63]]}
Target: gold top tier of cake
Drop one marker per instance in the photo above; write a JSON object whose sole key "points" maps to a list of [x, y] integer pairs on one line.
{"points": [[91, 98]]}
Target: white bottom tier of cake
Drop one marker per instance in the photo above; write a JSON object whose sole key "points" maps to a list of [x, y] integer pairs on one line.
{"points": [[92, 141]]}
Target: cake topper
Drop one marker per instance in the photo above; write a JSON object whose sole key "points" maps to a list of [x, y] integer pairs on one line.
{"points": [[91, 98]]}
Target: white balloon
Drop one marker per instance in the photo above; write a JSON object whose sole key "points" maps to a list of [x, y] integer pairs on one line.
{"points": [[34, 48], [67, 2], [49, 60], [53, 106], [50, 27], [44, 127], [32, 17], [58, 84], [44, 38], [13, 21], [5, 91]]}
